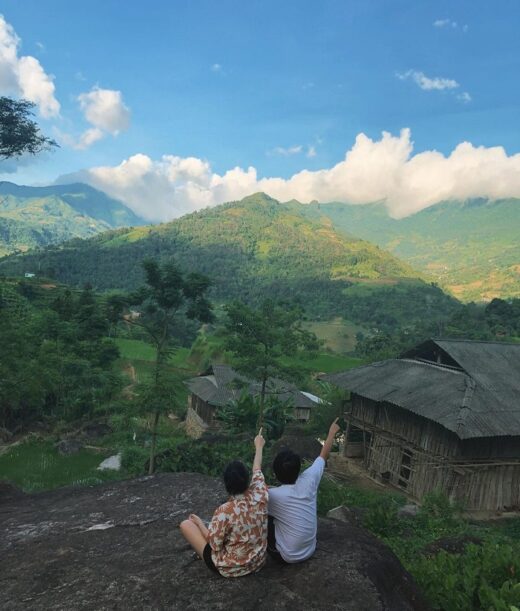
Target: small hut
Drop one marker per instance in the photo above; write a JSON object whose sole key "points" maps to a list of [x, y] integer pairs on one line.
{"points": [[221, 384], [444, 416]]}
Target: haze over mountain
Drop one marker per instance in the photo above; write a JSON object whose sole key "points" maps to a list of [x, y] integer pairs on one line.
{"points": [[32, 217], [471, 247], [250, 249]]}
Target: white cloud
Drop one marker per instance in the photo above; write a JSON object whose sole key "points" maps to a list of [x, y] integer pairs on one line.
{"points": [[105, 109], [372, 170], [449, 24], [23, 75], [464, 97], [427, 83], [288, 151], [445, 23], [311, 152]]}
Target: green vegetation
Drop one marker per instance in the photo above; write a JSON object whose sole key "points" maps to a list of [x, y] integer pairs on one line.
{"points": [[251, 250], [57, 363], [19, 134], [34, 217], [168, 295], [471, 247], [259, 339], [37, 465], [477, 571]]}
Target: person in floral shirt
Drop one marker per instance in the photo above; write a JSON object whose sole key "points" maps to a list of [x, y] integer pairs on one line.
{"points": [[235, 543]]}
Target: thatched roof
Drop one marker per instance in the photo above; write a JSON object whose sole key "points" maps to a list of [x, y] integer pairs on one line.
{"points": [[222, 384], [471, 388]]}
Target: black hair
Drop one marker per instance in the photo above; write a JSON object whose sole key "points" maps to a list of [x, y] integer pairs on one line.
{"points": [[286, 466], [236, 477]]}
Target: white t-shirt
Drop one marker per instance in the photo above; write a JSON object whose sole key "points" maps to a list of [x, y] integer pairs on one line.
{"points": [[293, 507]]}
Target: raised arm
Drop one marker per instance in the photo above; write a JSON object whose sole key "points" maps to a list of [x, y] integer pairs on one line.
{"points": [[325, 451], [259, 445]]}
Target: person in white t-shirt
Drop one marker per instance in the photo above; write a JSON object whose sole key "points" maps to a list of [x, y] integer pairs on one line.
{"points": [[292, 510]]}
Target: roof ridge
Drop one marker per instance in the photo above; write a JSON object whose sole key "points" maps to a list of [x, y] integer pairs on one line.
{"points": [[465, 406], [474, 341], [432, 364]]}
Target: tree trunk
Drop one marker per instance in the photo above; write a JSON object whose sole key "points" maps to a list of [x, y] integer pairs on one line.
{"points": [[151, 468], [262, 403]]}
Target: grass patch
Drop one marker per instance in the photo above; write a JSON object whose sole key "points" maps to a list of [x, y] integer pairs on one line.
{"points": [[37, 465]]}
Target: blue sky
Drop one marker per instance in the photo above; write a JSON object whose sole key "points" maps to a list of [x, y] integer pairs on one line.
{"points": [[280, 86]]}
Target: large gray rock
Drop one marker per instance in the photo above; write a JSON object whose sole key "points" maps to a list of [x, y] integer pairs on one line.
{"points": [[117, 546], [307, 447], [69, 446]]}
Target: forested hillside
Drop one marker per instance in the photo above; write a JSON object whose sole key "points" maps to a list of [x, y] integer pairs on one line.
{"points": [[252, 249], [470, 247], [32, 217]]}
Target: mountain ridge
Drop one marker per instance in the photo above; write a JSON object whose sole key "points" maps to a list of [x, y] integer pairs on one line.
{"points": [[34, 217], [470, 247], [250, 249]]}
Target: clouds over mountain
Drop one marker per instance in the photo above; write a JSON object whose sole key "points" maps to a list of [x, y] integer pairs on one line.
{"points": [[372, 170], [23, 75]]}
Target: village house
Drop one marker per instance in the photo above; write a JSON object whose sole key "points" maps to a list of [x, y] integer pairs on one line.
{"points": [[444, 416], [222, 384]]}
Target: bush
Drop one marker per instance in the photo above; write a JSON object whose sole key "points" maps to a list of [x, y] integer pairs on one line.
{"points": [[483, 577]]}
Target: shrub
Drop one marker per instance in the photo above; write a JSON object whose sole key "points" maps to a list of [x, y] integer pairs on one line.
{"points": [[483, 577]]}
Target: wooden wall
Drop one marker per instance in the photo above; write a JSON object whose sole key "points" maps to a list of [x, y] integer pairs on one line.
{"points": [[420, 456], [203, 409]]}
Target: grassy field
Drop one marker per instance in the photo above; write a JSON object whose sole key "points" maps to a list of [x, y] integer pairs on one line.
{"points": [[140, 355], [339, 335], [37, 465]]}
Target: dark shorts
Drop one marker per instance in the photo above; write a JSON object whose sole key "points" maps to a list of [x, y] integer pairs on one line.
{"points": [[206, 554], [271, 542]]}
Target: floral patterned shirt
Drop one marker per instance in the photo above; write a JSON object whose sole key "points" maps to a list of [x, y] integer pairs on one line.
{"points": [[238, 531]]}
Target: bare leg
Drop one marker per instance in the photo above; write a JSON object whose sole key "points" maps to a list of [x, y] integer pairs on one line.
{"points": [[193, 536]]}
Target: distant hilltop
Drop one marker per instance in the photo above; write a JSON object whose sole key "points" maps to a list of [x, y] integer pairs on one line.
{"points": [[34, 217]]}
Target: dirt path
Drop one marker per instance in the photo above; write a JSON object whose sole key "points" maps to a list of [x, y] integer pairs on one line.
{"points": [[128, 391]]}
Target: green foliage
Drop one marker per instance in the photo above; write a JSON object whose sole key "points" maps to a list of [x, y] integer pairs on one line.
{"points": [[241, 416], [331, 408], [169, 295], [55, 361], [471, 247], [19, 134], [252, 250], [260, 338], [35, 217], [483, 577], [212, 458]]}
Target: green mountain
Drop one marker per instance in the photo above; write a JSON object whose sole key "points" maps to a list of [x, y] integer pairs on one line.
{"points": [[472, 248], [32, 217], [252, 249]]}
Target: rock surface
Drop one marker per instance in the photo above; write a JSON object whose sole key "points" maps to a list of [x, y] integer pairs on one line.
{"points": [[66, 447], [112, 463], [307, 447], [117, 546]]}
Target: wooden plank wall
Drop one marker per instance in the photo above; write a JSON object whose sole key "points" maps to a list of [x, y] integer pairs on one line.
{"points": [[438, 462]]}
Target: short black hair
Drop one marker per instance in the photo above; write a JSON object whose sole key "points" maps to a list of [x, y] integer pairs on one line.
{"points": [[236, 477], [286, 466]]}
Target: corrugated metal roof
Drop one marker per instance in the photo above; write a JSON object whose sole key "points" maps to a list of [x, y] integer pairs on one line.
{"points": [[224, 384], [482, 399]]}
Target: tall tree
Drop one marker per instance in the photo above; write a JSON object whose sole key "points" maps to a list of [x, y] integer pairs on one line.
{"points": [[169, 295], [262, 339], [19, 134]]}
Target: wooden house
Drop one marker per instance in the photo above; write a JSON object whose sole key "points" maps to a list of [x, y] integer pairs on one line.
{"points": [[444, 416], [222, 384]]}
